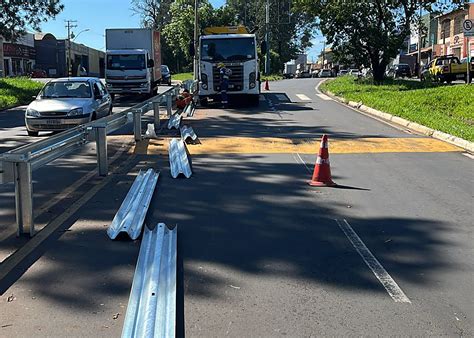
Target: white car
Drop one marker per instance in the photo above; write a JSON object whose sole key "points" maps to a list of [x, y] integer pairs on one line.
{"points": [[67, 102], [325, 73], [355, 72]]}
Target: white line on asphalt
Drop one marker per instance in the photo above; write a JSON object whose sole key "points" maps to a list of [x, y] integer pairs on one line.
{"points": [[324, 97], [469, 155], [303, 97], [382, 275], [303, 162]]}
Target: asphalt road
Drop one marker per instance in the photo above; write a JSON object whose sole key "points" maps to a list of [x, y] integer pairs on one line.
{"points": [[261, 253]]}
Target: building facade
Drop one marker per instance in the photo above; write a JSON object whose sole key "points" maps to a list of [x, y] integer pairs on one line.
{"points": [[428, 39], [19, 58], [53, 55], [450, 37]]}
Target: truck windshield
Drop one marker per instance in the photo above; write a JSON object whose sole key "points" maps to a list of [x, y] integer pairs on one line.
{"points": [[234, 49], [126, 61]]}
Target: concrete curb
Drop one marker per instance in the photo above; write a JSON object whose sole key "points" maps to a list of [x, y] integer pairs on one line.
{"points": [[457, 141]]}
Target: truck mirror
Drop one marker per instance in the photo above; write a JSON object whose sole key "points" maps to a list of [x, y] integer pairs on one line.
{"points": [[263, 47], [151, 63], [192, 50]]}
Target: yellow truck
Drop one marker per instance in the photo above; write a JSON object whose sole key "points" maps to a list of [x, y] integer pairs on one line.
{"points": [[448, 68]]}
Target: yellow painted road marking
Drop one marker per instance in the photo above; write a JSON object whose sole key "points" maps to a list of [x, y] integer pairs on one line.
{"points": [[273, 145]]}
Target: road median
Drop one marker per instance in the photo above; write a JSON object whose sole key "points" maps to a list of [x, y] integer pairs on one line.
{"points": [[428, 110]]}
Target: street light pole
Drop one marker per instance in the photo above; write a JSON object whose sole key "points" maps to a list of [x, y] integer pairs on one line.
{"points": [[196, 40], [267, 25]]}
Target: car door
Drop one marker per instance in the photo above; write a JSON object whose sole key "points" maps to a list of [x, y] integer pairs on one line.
{"points": [[107, 98], [100, 102]]}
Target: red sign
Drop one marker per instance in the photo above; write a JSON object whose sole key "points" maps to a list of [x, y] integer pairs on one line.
{"points": [[19, 51]]}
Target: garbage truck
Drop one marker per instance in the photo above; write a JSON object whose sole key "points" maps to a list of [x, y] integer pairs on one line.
{"points": [[133, 61], [237, 50]]}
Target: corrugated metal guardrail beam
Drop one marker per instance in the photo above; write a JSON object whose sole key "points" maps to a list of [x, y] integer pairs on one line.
{"points": [[178, 157], [132, 212], [151, 310]]}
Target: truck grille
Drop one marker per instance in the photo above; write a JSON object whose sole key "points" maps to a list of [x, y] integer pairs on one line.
{"points": [[236, 81], [126, 84]]}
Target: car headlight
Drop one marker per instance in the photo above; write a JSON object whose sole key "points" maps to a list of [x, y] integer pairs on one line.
{"points": [[75, 112], [32, 112]]}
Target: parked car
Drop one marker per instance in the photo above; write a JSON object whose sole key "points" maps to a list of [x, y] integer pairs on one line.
{"points": [[38, 73], [315, 73], [355, 72], [67, 102], [400, 70], [425, 71], [325, 73], [448, 68], [288, 75], [343, 72], [165, 75]]}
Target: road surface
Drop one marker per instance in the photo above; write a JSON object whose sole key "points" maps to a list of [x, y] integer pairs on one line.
{"points": [[261, 253]]}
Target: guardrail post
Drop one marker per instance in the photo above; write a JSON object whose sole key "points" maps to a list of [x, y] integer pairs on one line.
{"points": [[156, 113], [101, 149], [137, 124], [24, 199], [169, 104]]}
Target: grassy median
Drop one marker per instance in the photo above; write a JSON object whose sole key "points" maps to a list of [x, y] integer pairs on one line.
{"points": [[449, 109], [17, 91], [182, 76]]}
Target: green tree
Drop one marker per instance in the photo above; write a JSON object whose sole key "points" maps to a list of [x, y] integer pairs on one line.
{"points": [[367, 32], [18, 15]]}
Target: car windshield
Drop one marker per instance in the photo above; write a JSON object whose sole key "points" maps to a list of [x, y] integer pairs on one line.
{"points": [[77, 89], [126, 61], [236, 49]]}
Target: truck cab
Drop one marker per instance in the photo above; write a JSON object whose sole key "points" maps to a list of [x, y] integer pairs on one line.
{"points": [[129, 72], [238, 52]]}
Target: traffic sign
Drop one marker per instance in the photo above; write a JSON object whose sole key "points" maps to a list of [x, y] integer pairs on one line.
{"points": [[468, 27]]}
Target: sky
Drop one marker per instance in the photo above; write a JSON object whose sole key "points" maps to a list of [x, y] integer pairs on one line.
{"points": [[97, 15]]}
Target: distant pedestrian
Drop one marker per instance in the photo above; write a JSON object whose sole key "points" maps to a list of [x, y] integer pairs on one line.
{"points": [[224, 76]]}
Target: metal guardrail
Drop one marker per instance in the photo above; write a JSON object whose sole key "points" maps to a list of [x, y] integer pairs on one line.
{"points": [[17, 165], [151, 310], [131, 214]]}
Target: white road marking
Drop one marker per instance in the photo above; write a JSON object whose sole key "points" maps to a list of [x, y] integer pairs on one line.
{"points": [[303, 162], [303, 97], [469, 155], [324, 97], [382, 275]]}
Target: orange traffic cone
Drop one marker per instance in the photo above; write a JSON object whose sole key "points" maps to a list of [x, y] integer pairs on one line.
{"points": [[322, 169], [267, 87]]}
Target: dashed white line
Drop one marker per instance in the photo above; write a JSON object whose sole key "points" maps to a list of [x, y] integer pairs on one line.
{"points": [[303, 162], [324, 97], [303, 97], [379, 271]]}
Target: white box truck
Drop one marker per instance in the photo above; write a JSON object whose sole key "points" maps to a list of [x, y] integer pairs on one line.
{"points": [[133, 61], [237, 50]]}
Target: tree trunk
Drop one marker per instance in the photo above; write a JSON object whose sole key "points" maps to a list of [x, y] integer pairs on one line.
{"points": [[379, 71]]}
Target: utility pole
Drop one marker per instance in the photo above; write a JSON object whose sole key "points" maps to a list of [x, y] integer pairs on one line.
{"points": [[267, 25], [196, 40], [419, 43], [70, 24], [324, 52]]}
